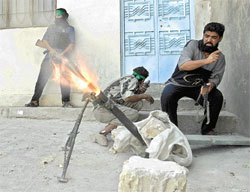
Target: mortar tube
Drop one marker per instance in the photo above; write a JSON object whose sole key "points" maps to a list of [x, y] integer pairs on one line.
{"points": [[104, 101]]}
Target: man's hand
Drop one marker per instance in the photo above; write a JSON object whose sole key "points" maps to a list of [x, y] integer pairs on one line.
{"points": [[45, 44], [53, 52], [195, 64], [142, 90], [59, 55], [207, 89], [213, 57], [40, 43], [143, 87], [149, 98]]}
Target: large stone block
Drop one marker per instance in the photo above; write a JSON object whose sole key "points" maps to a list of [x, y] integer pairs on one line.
{"points": [[152, 175]]}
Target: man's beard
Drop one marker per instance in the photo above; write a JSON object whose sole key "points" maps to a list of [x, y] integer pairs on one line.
{"points": [[209, 49]]}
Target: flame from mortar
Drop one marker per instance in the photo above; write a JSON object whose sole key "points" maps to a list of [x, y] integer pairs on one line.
{"points": [[79, 77]]}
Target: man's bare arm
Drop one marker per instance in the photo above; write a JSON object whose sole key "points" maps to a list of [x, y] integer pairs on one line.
{"points": [[139, 97], [192, 65]]}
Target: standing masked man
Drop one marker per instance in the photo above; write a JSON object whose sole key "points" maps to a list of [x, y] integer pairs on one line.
{"points": [[200, 63], [59, 40]]}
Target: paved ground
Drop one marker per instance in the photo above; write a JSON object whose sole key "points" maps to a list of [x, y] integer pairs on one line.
{"points": [[30, 159]]}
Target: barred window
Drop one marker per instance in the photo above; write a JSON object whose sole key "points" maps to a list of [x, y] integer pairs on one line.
{"points": [[26, 13]]}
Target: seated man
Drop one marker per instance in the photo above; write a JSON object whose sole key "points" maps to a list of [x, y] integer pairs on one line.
{"points": [[127, 92], [200, 63]]}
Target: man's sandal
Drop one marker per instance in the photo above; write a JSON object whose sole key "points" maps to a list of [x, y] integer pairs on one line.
{"points": [[103, 132]]}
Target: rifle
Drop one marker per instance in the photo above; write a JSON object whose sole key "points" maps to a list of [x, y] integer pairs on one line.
{"points": [[68, 148], [60, 59], [205, 105], [42, 44]]}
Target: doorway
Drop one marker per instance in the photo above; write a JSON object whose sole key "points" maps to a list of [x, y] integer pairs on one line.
{"points": [[153, 34]]}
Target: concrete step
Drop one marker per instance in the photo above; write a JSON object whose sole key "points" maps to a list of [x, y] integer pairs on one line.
{"points": [[187, 122], [66, 114], [155, 89], [227, 122], [218, 140], [184, 104]]}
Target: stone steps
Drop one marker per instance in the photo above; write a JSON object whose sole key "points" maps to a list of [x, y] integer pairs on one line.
{"points": [[187, 122], [187, 112], [227, 122], [218, 140], [66, 114], [184, 104]]}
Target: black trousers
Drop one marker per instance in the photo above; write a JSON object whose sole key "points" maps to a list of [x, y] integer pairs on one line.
{"points": [[46, 70], [172, 93]]}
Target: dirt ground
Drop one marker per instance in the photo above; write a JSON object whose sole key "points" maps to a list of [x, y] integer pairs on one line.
{"points": [[31, 159]]}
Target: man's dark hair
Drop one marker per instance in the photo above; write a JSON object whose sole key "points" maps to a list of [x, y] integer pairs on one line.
{"points": [[66, 13], [215, 27], [141, 71]]}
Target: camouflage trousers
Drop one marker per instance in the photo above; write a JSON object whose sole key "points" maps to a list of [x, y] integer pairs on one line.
{"points": [[131, 110]]}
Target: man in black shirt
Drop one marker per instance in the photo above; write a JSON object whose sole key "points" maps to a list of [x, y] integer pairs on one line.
{"points": [[59, 39]]}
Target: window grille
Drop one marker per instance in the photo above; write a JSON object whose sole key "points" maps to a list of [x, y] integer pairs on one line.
{"points": [[26, 13]]}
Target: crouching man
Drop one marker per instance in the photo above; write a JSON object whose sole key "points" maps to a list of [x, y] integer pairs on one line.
{"points": [[200, 63], [127, 92]]}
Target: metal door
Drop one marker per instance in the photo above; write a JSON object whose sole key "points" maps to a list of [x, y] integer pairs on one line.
{"points": [[153, 35]]}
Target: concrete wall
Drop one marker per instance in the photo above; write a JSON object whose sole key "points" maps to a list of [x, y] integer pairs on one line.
{"points": [[19, 64], [97, 26], [235, 15]]}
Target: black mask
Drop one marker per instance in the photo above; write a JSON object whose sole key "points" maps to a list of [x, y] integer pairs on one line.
{"points": [[61, 22], [209, 49]]}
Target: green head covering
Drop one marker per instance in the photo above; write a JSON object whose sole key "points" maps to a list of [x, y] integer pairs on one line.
{"points": [[137, 76], [60, 12]]}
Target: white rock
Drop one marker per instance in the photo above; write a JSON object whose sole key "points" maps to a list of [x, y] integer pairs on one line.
{"points": [[124, 141], [163, 139], [152, 175]]}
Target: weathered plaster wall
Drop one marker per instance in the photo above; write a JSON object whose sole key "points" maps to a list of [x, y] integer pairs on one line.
{"points": [[236, 45], [235, 15], [20, 64], [97, 26], [202, 16]]}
